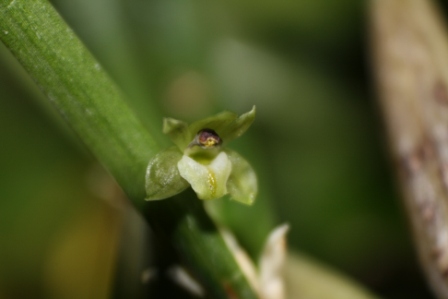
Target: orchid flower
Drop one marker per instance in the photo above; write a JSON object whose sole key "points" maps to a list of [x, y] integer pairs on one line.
{"points": [[199, 159]]}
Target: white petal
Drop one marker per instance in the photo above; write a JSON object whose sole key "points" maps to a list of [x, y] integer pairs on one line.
{"points": [[242, 258], [207, 180], [271, 264]]}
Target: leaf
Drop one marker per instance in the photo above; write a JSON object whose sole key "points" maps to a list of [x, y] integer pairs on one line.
{"points": [[163, 179], [242, 184]]}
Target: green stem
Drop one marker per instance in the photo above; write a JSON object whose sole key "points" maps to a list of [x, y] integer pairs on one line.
{"points": [[82, 92], [197, 244], [93, 105]]}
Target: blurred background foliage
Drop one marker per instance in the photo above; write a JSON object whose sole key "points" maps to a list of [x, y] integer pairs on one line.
{"points": [[317, 142]]}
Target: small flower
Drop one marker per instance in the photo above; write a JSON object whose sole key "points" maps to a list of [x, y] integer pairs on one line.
{"points": [[200, 160]]}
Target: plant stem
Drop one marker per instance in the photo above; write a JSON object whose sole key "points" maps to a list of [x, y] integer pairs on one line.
{"points": [[81, 91], [95, 108]]}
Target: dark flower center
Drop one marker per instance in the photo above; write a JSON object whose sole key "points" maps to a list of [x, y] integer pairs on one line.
{"points": [[208, 138]]}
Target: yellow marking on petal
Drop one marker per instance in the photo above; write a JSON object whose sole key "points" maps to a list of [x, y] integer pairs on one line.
{"points": [[211, 180]]}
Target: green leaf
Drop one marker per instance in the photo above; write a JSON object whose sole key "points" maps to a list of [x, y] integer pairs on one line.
{"points": [[178, 131], [163, 179], [209, 181], [242, 184]]}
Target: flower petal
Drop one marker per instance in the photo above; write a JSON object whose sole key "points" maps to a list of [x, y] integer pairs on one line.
{"points": [[178, 131], [207, 180], [242, 184], [272, 262], [162, 175]]}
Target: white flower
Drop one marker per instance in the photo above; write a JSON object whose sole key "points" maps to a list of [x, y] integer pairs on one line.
{"points": [[200, 161]]}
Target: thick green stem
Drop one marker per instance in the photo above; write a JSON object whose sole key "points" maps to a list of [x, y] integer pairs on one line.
{"points": [[82, 92], [93, 105], [198, 244]]}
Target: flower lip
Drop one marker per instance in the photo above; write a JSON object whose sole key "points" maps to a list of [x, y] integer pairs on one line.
{"points": [[207, 139], [199, 160]]}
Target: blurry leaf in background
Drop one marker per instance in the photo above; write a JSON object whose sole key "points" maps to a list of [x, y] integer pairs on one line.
{"points": [[301, 271], [81, 261], [44, 196]]}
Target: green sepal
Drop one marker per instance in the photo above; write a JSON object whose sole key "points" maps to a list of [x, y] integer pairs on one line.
{"points": [[178, 131], [218, 123], [227, 125], [238, 127], [242, 184], [163, 179]]}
